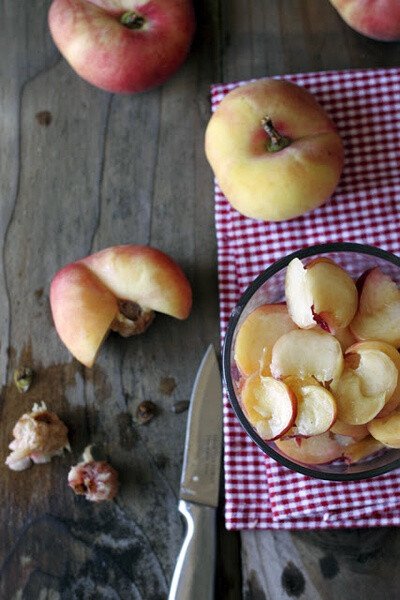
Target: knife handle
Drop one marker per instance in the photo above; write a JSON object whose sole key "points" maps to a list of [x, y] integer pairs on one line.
{"points": [[194, 574]]}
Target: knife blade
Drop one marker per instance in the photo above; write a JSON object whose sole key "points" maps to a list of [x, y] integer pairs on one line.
{"points": [[194, 574]]}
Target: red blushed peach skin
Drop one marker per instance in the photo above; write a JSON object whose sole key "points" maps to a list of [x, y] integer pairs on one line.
{"points": [[315, 450], [280, 184], [322, 292], [86, 296], [123, 58], [377, 19]]}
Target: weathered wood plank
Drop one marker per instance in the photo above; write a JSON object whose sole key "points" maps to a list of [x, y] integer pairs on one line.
{"points": [[82, 170]]}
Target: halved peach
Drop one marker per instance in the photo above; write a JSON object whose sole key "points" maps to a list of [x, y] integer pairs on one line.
{"points": [[386, 430], [257, 334], [366, 384], [378, 314], [314, 450], [394, 355], [316, 407], [320, 293], [307, 352], [269, 405], [119, 289]]}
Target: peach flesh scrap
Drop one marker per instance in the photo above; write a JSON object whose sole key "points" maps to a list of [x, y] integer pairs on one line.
{"points": [[378, 315], [269, 405], [257, 334], [315, 450], [307, 352], [281, 185]]}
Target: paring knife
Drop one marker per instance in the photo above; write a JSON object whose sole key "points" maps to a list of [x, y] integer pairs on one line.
{"points": [[194, 574]]}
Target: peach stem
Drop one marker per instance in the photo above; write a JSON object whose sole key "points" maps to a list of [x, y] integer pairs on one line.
{"points": [[132, 20], [276, 141]]}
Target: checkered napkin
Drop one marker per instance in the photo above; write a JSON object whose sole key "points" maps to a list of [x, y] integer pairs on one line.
{"points": [[365, 105]]}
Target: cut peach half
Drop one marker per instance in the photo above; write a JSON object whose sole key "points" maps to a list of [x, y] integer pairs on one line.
{"points": [[320, 293], [394, 355], [316, 407], [257, 334], [307, 353], [119, 289], [386, 430], [366, 384], [269, 405], [314, 450], [378, 314]]}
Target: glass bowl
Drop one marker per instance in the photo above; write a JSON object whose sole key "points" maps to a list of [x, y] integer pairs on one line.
{"points": [[268, 288]]}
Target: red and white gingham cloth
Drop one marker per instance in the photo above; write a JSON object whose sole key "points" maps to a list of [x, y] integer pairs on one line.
{"points": [[365, 105]]}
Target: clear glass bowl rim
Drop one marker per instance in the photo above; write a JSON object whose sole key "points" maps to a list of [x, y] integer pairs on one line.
{"points": [[227, 351]]}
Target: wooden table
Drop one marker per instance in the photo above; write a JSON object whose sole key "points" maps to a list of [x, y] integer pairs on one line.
{"points": [[80, 170]]}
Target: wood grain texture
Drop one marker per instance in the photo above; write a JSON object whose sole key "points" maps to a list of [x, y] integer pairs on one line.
{"points": [[80, 170]]}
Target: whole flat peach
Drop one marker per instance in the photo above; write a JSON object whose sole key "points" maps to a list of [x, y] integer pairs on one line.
{"points": [[261, 179]]}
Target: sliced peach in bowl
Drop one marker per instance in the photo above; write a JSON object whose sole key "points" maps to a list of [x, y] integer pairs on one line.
{"points": [[320, 293], [270, 406], [316, 407], [258, 333], [307, 353], [386, 430], [378, 314], [315, 450], [368, 381]]}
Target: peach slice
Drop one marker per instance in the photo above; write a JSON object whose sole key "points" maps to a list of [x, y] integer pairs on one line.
{"points": [[258, 333], [269, 405], [378, 314], [307, 352], [345, 337], [320, 293], [366, 384], [356, 432], [394, 355], [314, 450], [386, 430], [316, 407], [361, 449], [117, 289]]}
